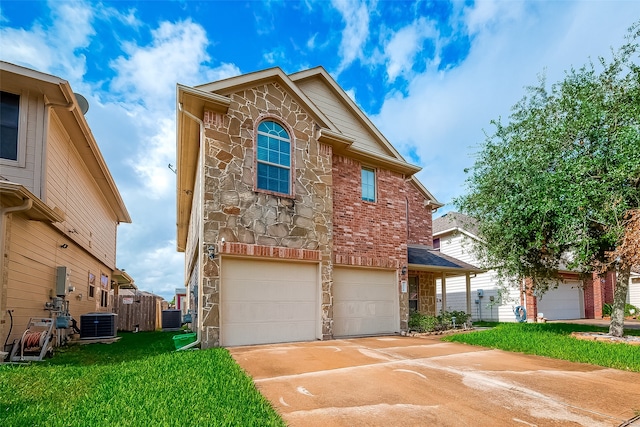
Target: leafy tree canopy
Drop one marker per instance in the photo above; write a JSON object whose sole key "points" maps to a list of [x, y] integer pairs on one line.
{"points": [[554, 186]]}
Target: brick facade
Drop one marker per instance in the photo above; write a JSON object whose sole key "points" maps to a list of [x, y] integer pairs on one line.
{"points": [[368, 233], [420, 231]]}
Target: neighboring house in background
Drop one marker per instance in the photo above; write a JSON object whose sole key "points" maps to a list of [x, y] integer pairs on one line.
{"points": [[59, 205], [575, 298], [298, 219], [633, 297]]}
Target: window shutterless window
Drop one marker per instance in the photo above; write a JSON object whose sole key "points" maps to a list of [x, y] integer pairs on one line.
{"points": [[368, 185], [273, 158], [9, 114]]}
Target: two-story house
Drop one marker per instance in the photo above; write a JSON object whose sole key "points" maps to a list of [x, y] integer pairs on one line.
{"points": [[59, 205], [298, 218]]}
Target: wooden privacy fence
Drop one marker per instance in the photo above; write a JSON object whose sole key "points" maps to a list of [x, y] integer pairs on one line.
{"points": [[143, 311]]}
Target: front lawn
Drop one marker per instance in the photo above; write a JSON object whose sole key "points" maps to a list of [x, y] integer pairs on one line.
{"points": [[137, 381], [554, 340]]}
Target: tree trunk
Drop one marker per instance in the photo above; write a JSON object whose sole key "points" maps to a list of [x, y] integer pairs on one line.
{"points": [[616, 327]]}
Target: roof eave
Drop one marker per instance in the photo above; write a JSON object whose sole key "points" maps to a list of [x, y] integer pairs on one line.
{"points": [[13, 195], [194, 102]]}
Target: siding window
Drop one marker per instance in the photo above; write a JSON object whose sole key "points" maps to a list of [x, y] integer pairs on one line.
{"points": [[104, 292], [436, 244], [273, 158], [92, 286], [104, 299], [368, 185], [9, 115]]}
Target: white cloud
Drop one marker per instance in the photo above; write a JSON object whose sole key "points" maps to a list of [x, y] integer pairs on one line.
{"points": [[223, 71], [403, 46], [54, 48], [147, 74], [355, 15], [443, 114]]}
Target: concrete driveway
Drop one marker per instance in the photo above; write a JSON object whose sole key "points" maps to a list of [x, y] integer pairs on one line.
{"points": [[403, 381]]}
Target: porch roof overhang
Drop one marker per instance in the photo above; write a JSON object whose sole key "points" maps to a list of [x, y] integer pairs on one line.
{"points": [[424, 258], [123, 280], [13, 195]]}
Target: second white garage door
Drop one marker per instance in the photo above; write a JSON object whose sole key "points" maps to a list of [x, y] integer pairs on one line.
{"points": [[268, 302], [565, 302], [365, 302]]}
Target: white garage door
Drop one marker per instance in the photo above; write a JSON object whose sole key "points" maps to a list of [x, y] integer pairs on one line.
{"points": [[365, 302], [268, 302], [565, 302]]}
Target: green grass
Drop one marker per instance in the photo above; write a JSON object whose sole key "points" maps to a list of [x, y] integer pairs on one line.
{"points": [[554, 340], [138, 381]]}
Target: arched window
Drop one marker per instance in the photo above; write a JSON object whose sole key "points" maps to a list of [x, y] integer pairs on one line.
{"points": [[273, 158]]}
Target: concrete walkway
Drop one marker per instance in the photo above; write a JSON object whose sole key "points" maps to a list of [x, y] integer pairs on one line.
{"points": [[416, 381]]}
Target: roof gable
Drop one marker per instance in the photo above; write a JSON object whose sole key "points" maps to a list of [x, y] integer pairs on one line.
{"points": [[455, 221], [57, 94]]}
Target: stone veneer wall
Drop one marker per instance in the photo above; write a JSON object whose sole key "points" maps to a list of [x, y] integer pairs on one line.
{"points": [[252, 221], [420, 217], [426, 292]]}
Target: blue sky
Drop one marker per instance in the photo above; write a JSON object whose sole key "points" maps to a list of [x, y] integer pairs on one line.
{"points": [[430, 74]]}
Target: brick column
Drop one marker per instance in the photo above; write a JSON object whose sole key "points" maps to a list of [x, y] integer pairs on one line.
{"points": [[531, 300], [609, 287], [593, 296]]}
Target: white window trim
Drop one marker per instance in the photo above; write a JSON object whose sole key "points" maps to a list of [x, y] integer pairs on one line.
{"points": [[23, 115], [375, 184], [292, 165]]}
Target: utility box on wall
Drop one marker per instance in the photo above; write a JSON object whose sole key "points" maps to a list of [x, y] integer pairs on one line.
{"points": [[62, 281]]}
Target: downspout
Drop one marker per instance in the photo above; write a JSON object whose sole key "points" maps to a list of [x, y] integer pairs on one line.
{"points": [[200, 229]]}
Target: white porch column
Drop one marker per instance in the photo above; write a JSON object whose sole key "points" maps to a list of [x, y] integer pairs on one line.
{"points": [[468, 277], [443, 280]]}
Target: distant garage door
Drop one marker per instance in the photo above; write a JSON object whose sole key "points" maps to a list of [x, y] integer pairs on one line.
{"points": [[365, 302], [268, 302], [565, 302]]}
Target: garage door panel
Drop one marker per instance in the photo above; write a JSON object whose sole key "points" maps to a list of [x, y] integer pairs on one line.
{"points": [[562, 303], [268, 301], [365, 302], [265, 312], [276, 290], [366, 309], [262, 333]]}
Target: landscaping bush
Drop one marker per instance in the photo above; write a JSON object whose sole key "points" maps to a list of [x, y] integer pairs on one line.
{"points": [[422, 322], [607, 308], [425, 323]]}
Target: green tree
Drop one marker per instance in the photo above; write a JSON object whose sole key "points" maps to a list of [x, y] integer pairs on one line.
{"points": [[555, 186]]}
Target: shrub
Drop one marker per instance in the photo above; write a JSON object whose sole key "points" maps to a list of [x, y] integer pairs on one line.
{"points": [[608, 308], [446, 318], [422, 322], [425, 323]]}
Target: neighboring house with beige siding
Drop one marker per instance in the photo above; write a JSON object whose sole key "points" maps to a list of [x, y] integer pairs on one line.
{"points": [[59, 205], [299, 220]]}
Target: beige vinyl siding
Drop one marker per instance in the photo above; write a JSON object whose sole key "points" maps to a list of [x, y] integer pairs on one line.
{"points": [[193, 234], [89, 220], [459, 245], [31, 116], [34, 253], [340, 116]]}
